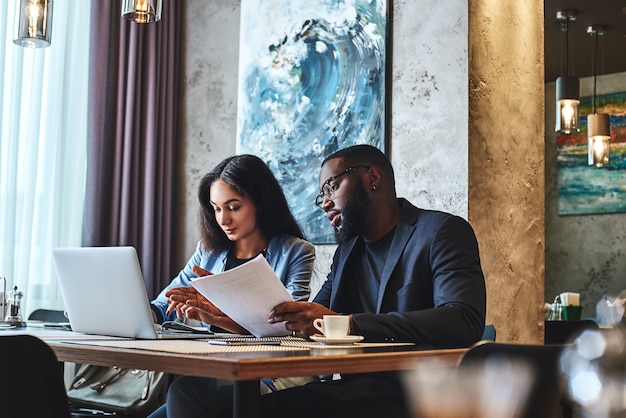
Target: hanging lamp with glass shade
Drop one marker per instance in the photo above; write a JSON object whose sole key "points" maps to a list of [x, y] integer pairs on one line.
{"points": [[567, 86], [142, 11], [33, 23], [598, 124]]}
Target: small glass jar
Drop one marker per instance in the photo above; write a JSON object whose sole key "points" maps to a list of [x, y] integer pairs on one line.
{"points": [[14, 308]]}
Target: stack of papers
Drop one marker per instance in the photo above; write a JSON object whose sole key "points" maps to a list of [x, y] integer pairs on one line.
{"points": [[247, 294]]}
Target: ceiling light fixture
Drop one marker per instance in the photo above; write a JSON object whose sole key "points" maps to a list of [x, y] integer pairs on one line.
{"points": [[598, 124], [142, 11], [34, 23], [567, 87]]}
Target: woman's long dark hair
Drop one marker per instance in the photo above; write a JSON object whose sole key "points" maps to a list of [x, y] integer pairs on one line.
{"points": [[249, 176]]}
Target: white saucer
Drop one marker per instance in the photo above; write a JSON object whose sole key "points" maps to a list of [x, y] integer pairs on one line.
{"points": [[350, 339]]}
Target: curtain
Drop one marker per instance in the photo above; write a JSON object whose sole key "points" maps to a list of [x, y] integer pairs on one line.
{"points": [[43, 131], [132, 125]]}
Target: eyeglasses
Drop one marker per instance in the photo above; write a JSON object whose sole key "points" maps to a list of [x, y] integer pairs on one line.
{"points": [[328, 189]]}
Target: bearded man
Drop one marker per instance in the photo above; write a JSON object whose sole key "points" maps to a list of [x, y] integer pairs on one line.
{"points": [[401, 273]]}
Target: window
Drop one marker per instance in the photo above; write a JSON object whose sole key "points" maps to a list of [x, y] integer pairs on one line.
{"points": [[43, 134]]}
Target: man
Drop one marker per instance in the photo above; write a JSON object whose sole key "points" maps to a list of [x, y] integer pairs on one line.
{"points": [[400, 272]]}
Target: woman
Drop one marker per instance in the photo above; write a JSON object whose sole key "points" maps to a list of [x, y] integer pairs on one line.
{"points": [[244, 213]]}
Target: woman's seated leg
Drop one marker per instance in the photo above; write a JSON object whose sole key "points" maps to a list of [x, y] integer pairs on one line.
{"points": [[191, 397]]}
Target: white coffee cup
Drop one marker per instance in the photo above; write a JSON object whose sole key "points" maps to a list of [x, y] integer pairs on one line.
{"points": [[333, 326]]}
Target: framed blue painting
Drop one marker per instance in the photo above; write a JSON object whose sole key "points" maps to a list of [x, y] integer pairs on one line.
{"points": [[584, 189], [312, 80]]}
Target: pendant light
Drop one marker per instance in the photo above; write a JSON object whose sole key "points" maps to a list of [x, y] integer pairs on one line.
{"points": [[598, 124], [567, 87], [142, 11], [34, 23]]}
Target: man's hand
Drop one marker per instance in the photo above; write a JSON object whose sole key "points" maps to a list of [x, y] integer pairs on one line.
{"points": [[299, 316]]}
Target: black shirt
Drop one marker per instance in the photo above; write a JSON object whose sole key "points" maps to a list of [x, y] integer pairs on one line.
{"points": [[366, 266]]}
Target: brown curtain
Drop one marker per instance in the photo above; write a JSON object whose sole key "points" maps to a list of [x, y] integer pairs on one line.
{"points": [[133, 123]]}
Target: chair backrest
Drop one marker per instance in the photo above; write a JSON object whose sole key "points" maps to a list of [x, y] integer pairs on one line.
{"points": [[47, 315], [545, 394], [564, 332], [490, 333], [31, 381]]}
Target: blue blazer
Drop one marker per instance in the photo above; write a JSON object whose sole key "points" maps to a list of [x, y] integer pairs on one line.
{"points": [[432, 291]]}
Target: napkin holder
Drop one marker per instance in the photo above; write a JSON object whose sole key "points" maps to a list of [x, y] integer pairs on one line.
{"points": [[571, 309], [566, 307]]}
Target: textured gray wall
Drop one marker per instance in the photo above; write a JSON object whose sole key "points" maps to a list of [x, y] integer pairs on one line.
{"points": [[585, 254], [209, 97], [429, 105]]}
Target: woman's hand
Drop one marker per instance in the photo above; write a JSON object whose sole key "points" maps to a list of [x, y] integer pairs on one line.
{"points": [[188, 302], [200, 272], [184, 293], [181, 299], [210, 314]]}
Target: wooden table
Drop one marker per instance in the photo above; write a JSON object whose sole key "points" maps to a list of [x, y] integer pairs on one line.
{"points": [[245, 369]]}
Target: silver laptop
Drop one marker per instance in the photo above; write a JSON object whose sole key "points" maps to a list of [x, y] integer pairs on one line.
{"points": [[105, 294]]}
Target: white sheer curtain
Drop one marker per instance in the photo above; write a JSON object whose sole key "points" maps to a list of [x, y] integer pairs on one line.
{"points": [[43, 126]]}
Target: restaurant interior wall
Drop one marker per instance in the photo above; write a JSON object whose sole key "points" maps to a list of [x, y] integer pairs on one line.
{"points": [[585, 254]]}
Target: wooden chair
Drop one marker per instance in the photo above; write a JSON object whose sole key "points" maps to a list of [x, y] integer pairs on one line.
{"points": [[31, 381], [545, 395]]}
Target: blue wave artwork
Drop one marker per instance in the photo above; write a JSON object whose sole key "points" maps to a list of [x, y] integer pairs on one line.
{"points": [[311, 81]]}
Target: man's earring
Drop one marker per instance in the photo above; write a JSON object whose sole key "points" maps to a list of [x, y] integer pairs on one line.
{"points": [[373, 187]]}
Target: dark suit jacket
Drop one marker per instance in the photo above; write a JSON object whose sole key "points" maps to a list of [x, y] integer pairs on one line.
{"points": [[433, 289]]}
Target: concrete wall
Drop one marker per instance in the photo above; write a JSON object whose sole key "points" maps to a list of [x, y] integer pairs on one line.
{"points": [[584, 253], [452, 145]]}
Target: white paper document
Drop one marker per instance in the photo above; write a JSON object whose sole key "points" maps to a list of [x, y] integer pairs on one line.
{"points": [[247, 294]]}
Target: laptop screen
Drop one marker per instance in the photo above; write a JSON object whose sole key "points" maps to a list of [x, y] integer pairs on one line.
{"points": [[104, 291]]}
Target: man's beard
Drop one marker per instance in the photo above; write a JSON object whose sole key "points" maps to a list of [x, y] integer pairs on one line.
{"points": [[353, 215]]}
